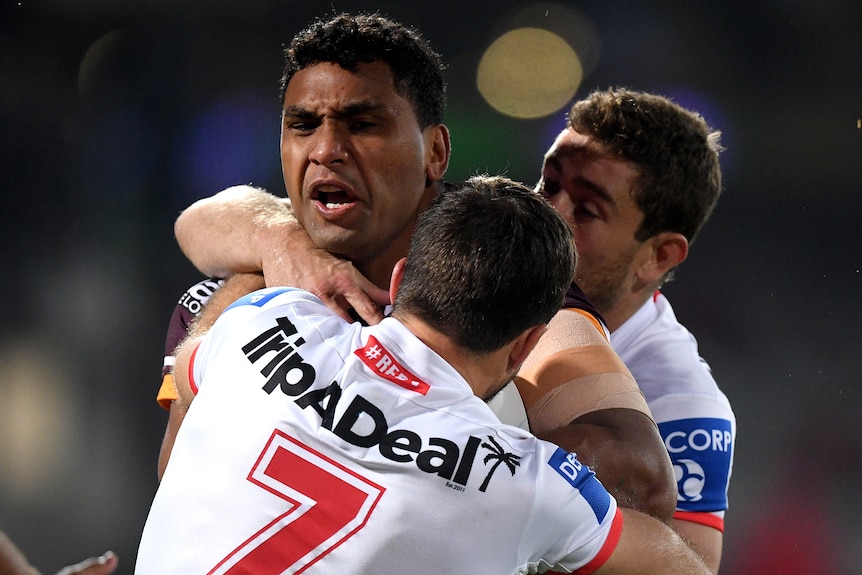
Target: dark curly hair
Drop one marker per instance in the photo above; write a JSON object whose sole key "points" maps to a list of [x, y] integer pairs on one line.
{"points": [[674, 149], [348, 40]]}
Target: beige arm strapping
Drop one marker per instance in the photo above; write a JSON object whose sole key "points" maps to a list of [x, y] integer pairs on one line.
{"points": [[573, 371]]}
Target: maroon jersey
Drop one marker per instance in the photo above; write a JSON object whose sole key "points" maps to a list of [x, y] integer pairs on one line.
{"points": [[188, 307]]}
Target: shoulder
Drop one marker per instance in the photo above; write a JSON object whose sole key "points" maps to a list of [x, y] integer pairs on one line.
{"points": [[571, 500], [662, 355], [286, 314], [576, 299], [280, 297]]}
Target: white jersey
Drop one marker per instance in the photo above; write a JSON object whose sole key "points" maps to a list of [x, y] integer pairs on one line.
{"points": [[693, 415], [318, 446]]}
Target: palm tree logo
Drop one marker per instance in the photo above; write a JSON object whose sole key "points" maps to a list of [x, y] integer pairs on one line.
{"points": [[500, 456]]}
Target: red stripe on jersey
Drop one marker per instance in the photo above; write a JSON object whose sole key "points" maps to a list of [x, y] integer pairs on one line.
{"points": [[384, 364], [708, 519], [192, 383], [608, 548]]}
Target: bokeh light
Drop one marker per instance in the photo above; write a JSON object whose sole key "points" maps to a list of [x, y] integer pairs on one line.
{"points": [[36, 435], [529, 73]]}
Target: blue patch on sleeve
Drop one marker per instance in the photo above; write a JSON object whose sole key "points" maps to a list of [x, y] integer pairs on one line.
{"points": [[260, 297], [701, 450], [584, 480]]}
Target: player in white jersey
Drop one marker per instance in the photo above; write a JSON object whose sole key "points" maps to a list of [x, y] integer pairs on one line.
{"points": [[317, 446], [693, 415], [637, 176], [283, 461]]}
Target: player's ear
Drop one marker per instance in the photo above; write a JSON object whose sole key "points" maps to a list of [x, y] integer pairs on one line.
{"points": [[525, 344], [397, 275], [667, 250], [437, 152]]}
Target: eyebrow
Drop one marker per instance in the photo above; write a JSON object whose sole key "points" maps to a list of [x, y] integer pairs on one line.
{"points": [[556, 163], [351, 109]]}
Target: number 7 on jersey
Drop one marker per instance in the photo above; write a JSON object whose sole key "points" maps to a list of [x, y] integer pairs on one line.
{"points": [[329, 504]]}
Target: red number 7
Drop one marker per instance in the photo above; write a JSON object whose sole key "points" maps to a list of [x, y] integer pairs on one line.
{"points": [[329, 504]]}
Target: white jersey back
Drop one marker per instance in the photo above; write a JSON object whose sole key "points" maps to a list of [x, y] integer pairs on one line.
{"points": [[323, 447]]}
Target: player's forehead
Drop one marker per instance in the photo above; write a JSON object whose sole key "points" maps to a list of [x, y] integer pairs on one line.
{"points": [[570, 143], [579, 162], [327, 87], [570, 146]]}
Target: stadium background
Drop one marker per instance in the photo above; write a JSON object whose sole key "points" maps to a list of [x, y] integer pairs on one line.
{"points": [[114, 116]]}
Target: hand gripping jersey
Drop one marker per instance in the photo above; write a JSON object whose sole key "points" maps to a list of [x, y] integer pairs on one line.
{"points": [[319, 446], [693, 415]]}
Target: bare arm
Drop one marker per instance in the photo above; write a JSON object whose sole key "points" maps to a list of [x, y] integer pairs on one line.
{"points": [[622, 447], [234, 288], [648, 546], [579, 395], [246, 229], [219, 234], [706, 540]]}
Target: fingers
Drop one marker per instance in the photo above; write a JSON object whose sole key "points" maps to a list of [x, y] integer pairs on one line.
{"points": [[102, 565], [336, 282], [355, 306], [366, 308]]}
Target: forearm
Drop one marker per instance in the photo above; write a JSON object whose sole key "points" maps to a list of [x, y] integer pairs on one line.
{"points": [[647, 546], [247, 230], [624, 449], [220, 235], [703, 539]]}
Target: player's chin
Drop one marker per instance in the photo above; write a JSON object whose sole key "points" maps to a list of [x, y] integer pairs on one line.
{"points": [[338, 240]]}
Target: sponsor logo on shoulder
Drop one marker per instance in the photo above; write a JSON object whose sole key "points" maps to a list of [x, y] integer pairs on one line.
{"points": [[583, 479], [701, 450]]}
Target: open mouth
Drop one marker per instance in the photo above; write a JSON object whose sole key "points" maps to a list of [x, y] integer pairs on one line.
{"points": [[333, 198]]}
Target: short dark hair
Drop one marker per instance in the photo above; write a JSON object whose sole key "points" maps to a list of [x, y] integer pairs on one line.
{"points": [[489, 259], [674, 149], [348, 40]]}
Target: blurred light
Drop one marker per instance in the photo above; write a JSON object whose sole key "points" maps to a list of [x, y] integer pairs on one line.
{"points": [[529, 73], [566, 22], [37, 435]]}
